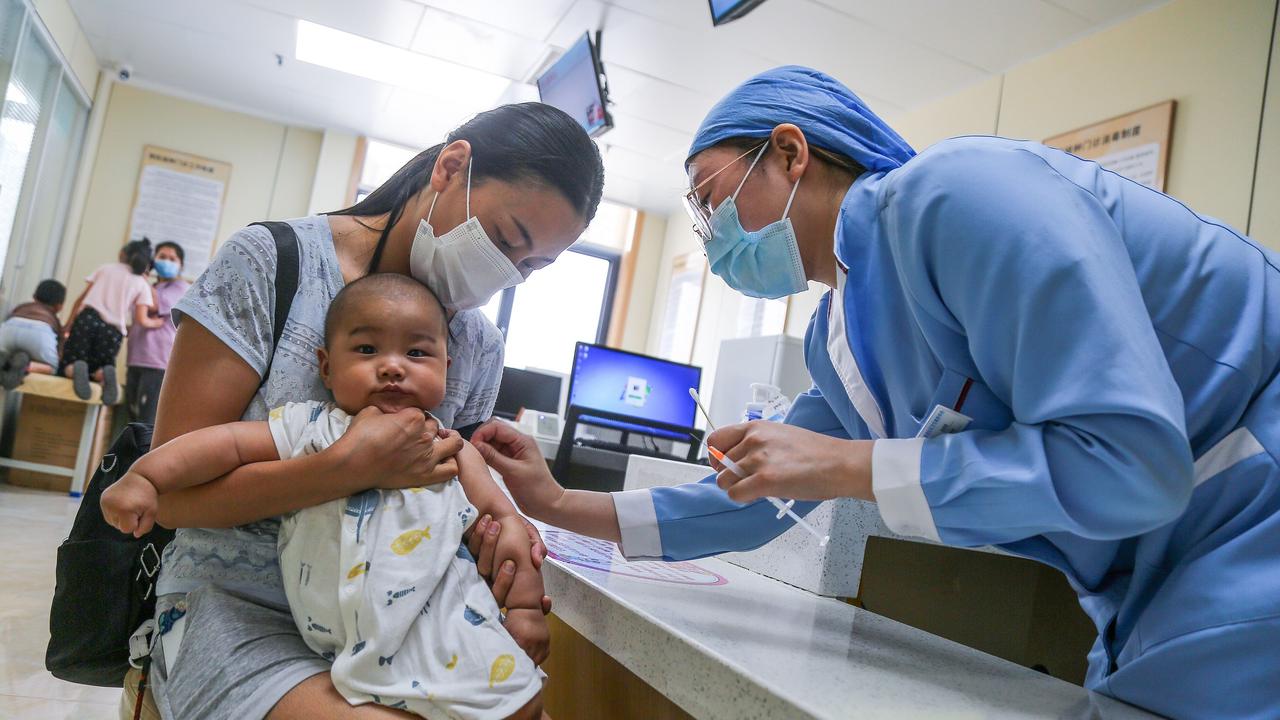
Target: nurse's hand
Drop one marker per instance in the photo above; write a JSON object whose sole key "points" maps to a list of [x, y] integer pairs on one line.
{"points": [[790, 462], [523, 469]]}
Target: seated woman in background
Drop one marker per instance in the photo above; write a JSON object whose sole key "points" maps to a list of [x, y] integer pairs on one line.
{"points": [[149, 348], [98, 323], [29, 337]]}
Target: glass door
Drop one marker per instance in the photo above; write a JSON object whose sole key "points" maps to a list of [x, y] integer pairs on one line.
{"points": [[37, 233], [28, 93]]}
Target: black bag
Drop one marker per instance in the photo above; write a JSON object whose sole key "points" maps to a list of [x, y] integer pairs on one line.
{"points": [[105, 579]]}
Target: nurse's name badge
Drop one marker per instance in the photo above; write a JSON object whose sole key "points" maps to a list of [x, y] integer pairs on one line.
{"points": [[943, 421]]}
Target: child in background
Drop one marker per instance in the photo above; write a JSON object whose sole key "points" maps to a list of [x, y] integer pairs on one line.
{"points": [[116, 292], [149, 349], [29, 337], [379, 583]]}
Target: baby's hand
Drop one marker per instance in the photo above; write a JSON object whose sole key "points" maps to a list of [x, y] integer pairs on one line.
{"points": [[529, 629], [130, 504]]}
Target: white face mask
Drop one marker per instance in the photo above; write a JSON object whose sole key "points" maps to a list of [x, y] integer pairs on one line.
{"points": [[463, 267]]}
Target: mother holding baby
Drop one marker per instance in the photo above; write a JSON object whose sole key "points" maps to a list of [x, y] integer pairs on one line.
{"points": [[503, 196]]}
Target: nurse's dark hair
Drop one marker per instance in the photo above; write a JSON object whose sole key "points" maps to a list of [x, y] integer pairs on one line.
{"points": [[831, 157], [524, 142], [137, 255]]}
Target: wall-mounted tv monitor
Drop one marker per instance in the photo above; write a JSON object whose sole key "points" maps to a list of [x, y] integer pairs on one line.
{"points": [[723, 11], [574, 83]]}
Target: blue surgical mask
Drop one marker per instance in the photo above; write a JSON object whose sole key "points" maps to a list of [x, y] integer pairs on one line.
{"points": [[764, 263], [167, 269]]}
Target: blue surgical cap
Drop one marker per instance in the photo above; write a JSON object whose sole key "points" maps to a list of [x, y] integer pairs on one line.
{"points": [[831, 116]]}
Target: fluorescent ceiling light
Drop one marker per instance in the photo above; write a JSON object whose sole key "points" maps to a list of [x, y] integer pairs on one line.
{"points": [[355, 55]]}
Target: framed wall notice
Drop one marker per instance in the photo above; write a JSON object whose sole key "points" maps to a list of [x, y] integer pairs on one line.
{"points": [[179, 199], [1135, 145]]}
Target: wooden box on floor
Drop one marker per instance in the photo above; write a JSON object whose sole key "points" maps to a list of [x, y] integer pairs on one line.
{"points": [[48, 431]]}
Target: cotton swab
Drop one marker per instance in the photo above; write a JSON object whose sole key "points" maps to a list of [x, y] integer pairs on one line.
{"points": [[784, 509]]}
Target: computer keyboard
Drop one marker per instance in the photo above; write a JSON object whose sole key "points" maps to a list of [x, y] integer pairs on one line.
{"points": [[623, 448]]}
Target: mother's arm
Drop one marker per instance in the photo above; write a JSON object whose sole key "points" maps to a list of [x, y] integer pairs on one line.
{"points": [[207, 383]]}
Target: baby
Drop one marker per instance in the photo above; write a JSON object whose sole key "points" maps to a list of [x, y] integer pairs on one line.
{"points": [[379, 583]]}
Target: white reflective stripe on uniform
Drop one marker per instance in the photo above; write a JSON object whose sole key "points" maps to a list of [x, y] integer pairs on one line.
{"points": [[1239, 445], [846, 365]]}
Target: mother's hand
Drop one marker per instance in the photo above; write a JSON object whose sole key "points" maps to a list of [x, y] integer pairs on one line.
{"points": [[791, 462], [399, 450], [482, 541]]}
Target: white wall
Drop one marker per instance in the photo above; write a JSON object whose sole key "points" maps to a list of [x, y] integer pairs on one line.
{"points": [[1264, 220], [1208, 55], [272, 167], [70, 39], [332, 179]]}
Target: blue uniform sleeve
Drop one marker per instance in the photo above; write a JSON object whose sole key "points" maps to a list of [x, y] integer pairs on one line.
{"points": [[699, 519], [1033, 272]]}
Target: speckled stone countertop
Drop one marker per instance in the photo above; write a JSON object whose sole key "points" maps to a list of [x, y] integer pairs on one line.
{"points": [[724, 642]]}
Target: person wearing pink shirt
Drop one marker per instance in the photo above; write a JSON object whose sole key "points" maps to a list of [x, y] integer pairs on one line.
{"points": [[99, 320]]}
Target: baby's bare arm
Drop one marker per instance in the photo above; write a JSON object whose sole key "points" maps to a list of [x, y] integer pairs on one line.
{"points": [[206, 454], [131, 503], [481, 490], [513, 542]]}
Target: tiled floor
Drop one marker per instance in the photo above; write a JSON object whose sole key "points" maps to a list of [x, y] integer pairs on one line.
{"points": [[32, 523]]}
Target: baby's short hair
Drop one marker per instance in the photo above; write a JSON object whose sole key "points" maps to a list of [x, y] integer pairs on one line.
{"points": [[394, 285]]}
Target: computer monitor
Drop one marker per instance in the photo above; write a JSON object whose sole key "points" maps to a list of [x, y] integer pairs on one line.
{"points": [[634, 385], [723, 11], [527, 389], [573, 85]]}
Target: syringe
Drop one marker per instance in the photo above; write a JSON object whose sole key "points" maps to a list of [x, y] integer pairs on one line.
{"points": [[784, 508]]}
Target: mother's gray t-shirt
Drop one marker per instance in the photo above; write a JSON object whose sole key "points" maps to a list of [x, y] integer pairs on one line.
{"points": [[235, 300]]}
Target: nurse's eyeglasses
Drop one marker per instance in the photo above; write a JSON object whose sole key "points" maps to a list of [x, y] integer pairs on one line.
{"points": [[700, 212]]}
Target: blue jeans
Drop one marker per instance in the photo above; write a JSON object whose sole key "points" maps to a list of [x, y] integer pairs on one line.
{"points": [[35, 338]]}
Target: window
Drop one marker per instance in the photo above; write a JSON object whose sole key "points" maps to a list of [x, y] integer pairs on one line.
{"points": [[381, 161], [758, 316], [684, 302], [42, 124], [567, 301], [570, 300]]}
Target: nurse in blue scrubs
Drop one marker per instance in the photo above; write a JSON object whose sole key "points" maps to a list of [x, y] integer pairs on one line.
{"points": [[1018, 349]]}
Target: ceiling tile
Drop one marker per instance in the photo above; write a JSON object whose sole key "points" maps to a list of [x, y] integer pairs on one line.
{"points": [[670, 105], [530, 18], [678, 13], [665, 63], [645, 137], [1107, 11], [419, 121], [390, 21], [477, 45], [685, 56]]}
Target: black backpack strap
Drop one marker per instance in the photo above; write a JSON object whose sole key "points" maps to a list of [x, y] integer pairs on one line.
{"points": [[287, 263]]}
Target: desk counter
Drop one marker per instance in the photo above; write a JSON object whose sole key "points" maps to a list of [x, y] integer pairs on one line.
{"points": [[721, 641]]}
